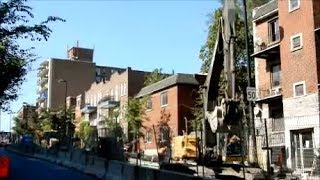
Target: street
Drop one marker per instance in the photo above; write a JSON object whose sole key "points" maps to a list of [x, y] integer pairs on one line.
{"points": [[28, 168]]}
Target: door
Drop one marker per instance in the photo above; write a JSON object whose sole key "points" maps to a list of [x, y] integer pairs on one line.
{"points": [[302, 148]]}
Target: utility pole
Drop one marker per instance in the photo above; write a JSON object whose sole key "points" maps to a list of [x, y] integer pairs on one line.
{"points": [[252, 138]]}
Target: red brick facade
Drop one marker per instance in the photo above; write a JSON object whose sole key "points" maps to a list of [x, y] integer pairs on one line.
{"points": [[299, 65], [181, 100]]}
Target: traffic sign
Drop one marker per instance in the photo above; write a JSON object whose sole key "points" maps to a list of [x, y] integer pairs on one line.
{"points": [[251, 94]]}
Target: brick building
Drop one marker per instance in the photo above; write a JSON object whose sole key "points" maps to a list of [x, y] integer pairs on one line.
{"points": [[287, 62], [26, 112], [168, 107], [108, 99]]}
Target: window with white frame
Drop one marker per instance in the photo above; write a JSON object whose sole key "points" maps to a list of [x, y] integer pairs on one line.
{"points": [[299, 89], [124, 89], [121, 89], [149, 104], [78, 102], [164, 99], [94, 100], [99, 96], [111, 94], [293, 5], [149, 136], [296, 42], [116, 93]]}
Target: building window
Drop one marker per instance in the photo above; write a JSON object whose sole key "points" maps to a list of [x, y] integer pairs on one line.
{"points": [[299, 89], [164, 99], [296, 42], [78, 102], [275, 75], [294, 5], [124, 89], [121, 89], [164, 134], [274, 33], [149, 104], [116, 93], [149, 136], [111, 95]]}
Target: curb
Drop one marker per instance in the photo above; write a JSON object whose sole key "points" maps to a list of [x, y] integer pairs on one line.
{"points": [[66, 165]]}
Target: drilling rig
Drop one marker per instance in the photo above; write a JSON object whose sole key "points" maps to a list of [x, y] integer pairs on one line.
{"points": [[222, 98]]}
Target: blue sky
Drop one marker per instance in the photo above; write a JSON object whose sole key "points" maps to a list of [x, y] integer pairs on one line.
{"points": [[143, 35]]}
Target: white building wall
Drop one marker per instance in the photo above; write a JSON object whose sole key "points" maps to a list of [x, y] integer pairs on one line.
{"points": [[301, 113], [301, 106]]}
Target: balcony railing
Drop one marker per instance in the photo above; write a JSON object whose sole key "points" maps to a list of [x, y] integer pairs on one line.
{"points": [[265, 91], [43, 72], [268, 44], [87, 108], [43, 89], [108, 102], [275, 127]]}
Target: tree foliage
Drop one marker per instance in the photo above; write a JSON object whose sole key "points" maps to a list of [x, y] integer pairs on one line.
{"points": [[135, 115], [37, 124], [206, 51], [197, 111], [155, 76], [113, 127], [15, 60]]}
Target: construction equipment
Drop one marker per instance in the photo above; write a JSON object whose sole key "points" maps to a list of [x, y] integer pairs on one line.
{"points": [[185, 147], [222, 105]]}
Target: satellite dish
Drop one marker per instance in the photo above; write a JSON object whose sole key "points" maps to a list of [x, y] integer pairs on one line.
{"points": [[258, 41]]}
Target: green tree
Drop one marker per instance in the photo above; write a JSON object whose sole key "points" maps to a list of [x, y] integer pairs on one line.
{"points": [[135, 116], [197, 111], [113, 127], [15, 60], [85, 133], [19, 127], [206, 51], [155, 76]]}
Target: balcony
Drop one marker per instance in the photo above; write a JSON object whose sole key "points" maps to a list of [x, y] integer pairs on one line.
{"points": [[266, 93], [43, 72], [43, 96], [43, 89], [108, 102], [87, 108], [42, 81], [267, 47]]}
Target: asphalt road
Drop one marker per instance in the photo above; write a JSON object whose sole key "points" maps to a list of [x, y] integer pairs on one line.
{"points": [[26, 168]]}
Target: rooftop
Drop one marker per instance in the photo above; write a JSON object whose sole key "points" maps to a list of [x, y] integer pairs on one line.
{"points": [[167, 82], [265, 9]]}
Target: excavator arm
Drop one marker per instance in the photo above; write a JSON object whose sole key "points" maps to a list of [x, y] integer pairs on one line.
{"points": [[222, 112]]}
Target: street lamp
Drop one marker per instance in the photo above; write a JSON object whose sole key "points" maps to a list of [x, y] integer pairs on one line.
{"points": [[65, 104]]}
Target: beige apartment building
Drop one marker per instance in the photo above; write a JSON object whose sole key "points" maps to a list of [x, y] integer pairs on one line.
{"points": [[61, 78], [109, 98], [287, 61]]}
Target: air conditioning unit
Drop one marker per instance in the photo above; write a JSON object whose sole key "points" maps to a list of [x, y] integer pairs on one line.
{"points": [[275, 91], [258, 41]]}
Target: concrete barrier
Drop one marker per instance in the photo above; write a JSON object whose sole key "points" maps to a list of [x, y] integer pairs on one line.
{"points": [[123, 171], [114, 171], [96, 168]]}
